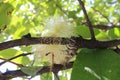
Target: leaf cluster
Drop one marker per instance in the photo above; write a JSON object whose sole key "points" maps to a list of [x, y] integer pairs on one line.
{"points": [[22, 17]]}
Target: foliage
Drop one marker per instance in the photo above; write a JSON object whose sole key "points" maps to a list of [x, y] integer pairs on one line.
{"points": [[96, 64], [32, 71], [20, 17]]}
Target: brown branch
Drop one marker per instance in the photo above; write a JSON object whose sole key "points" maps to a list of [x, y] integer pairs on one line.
{"points": [[46, 69], [9, 60], [19, 73], [31, 40], [88, 20], [97, 44], [78, 42], [117, 50], [19, 65], [105, 27], [102, 27]]}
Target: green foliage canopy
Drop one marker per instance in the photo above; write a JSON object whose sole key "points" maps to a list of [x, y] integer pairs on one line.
{"points": [[18, 18]]}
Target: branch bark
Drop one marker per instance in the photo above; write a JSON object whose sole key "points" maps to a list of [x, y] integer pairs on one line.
{"points": [[32, 40], [9, 60], [19, 73], [87, 20], [78, 42], [105, 27]]}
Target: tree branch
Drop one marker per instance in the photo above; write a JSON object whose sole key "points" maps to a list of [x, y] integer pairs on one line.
{"points": [[9, 60], [78, 42], [105, 27], [19, 65], [19, 73], [32, 40], [102, 27], [87, 19], [101, 14], [46, 69]]}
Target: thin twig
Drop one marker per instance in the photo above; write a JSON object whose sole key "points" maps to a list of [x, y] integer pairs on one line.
{"points": [[59, 7], [101, 14], [19, 73], [9, 60], [88, 20], [19, 65], [103, 27], [56, 77]]}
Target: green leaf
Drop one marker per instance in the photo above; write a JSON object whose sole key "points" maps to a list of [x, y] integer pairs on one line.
{"points": [[32, 71], [96, 31], [19, 32], [46, 76], [72, 14], [83, 31], [25, 60], [103, 35], [8, 53], [114, 33], [26, 49], [5, 14], [96, 64]]}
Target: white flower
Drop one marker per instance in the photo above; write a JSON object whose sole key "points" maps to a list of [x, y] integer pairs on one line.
{"points": [[56, 27]]}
